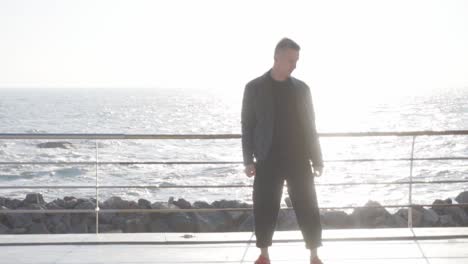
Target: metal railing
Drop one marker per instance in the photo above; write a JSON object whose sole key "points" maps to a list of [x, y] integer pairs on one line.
{"points": [[96, 137]]}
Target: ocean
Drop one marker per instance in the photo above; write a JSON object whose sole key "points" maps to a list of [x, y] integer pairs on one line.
{"points": [[198, 111]]}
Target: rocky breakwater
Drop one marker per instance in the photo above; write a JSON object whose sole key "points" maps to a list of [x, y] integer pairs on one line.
{"points": [[374, 216]]}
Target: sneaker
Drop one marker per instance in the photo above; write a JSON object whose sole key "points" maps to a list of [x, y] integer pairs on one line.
{"points": [[316, 260], [262, 260]]}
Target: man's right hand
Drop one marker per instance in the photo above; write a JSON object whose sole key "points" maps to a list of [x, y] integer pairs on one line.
{"points": [[249, 170]]}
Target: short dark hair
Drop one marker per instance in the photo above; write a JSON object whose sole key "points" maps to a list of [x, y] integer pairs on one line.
{"points": [[287, 43]]}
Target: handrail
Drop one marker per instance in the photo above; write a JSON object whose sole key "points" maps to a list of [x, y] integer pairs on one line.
{"points": [[213, 186], [23, 136], [97, 163], [204, 162]]}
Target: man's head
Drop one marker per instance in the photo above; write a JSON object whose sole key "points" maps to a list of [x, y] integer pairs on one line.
{"points": [[286, 57]]}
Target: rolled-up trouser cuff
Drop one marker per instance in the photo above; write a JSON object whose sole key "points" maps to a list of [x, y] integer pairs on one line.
{"points": [[261, 244], [311, 245]]}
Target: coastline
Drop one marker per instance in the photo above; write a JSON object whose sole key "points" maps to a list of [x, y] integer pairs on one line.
{"points": [[374, 216]]}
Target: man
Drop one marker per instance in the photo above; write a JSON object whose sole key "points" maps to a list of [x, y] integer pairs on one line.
{"points": [[279, 140]]}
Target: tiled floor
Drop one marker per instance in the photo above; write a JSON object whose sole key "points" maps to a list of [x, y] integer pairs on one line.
{"points": [[234, 248]]}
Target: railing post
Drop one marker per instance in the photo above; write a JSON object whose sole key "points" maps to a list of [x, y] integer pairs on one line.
{"points": [[410, 198], [97, 188]]}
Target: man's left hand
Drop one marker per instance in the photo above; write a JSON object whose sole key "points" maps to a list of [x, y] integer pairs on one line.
{"points": [[318, 171]]}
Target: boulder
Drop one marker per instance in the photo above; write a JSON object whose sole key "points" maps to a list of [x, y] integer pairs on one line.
{"points": [[34, 198], [458, 215], [398, 221], [55, 219], [446, 221], [462, 198], [430, 218], [85, 205], [37, 217], [59, 202], [439, 205], [417, 218], [371, 217], [54, 205], [182, 204], [106, 228], [19, 231], [19, 220], [4, 229], [159, 205], [116, 202], [70, 203], [336, 219], [248, 224], [201, 204], [213, 221], [81, 222], [13, 203], [106, 218], [79, 228], [181, 222], [119, 222], [60, 228], [158, 225], [38, 228], [136, 225], [237, 217], [230, 204], [58, 223], [144, 204]]}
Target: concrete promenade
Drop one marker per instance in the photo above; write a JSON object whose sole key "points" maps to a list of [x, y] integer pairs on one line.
{"points": [[363, 246]]}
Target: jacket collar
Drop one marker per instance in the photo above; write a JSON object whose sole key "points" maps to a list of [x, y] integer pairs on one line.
{"points": [[270, 79]]}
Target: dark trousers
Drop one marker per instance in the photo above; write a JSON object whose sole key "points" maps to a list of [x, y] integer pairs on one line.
{"points": [[267, 192]]}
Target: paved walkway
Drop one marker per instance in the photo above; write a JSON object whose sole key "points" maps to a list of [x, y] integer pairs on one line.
{"points": [[364, 246]]}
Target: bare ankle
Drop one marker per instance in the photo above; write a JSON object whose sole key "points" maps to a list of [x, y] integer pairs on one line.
{"points": [[264, 252], [313, 253]]}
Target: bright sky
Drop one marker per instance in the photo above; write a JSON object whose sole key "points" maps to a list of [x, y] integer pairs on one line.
{"points": [[348, 47]]}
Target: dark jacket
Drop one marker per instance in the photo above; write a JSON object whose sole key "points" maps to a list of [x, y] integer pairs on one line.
{"points": [[258, 119]]}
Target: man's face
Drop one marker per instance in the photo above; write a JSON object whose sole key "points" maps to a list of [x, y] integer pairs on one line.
{"points": [[286, 61]]}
